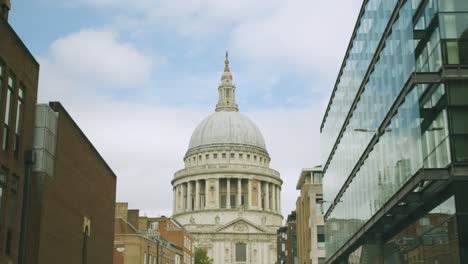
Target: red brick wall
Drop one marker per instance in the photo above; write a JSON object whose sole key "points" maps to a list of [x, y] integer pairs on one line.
{"points": [[83, 186], [15, 58]]}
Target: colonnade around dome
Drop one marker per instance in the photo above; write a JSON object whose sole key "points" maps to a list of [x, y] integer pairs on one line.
{"points": [[226, 194]]}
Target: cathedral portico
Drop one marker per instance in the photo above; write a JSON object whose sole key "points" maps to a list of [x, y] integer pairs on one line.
{"points": [[226, 195]]}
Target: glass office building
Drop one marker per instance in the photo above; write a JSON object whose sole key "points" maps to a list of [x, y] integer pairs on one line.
{"points": [[395, 137]]}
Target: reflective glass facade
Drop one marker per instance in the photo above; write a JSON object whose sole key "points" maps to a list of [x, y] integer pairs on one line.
{"points": [[423, 124]]}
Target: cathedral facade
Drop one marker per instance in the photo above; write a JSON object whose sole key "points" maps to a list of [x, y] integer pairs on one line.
{"points": [[227, 196]]}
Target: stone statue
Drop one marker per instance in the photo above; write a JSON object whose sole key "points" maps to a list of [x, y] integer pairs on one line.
{"points": [[217, 219], [241, 210], [192, 220]]}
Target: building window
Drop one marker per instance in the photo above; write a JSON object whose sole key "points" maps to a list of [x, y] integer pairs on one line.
{"points": [[6, 127], [320, 236], [241, 252], [255, 157], [261, 159], [232, 155], [240, 156], [319, 207], [224, 155], [223, 201], [215, 156], [248, 156], [19, 119], [154, 225], [233, 201], [207, 156], [321, 260], [145, 258], [12, 206], [199, 157], [317, 178]]}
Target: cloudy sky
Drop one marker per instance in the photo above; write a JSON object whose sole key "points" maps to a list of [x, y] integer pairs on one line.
{"points": [[139, 75]]}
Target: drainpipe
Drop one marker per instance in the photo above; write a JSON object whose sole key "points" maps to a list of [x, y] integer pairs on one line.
{"points": [[28, 163]]}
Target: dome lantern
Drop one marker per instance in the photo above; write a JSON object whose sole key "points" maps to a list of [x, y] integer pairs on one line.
{"points": [[227, 91]]}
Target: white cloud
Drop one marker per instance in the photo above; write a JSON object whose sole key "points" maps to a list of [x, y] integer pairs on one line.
{"points": [[299, 35], [99, 55]]}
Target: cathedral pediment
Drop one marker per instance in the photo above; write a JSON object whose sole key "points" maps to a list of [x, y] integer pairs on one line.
{"points": [[240, 226]]}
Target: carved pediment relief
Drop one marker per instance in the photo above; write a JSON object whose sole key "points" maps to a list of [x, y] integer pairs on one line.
{"points": [[240, 226]]}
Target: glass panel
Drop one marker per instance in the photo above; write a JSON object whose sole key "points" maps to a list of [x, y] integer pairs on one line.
{"points": [[458, 93], [396, 63], [453, 5], [368, 34], [453, 25], [431, 239], [459, 122]]}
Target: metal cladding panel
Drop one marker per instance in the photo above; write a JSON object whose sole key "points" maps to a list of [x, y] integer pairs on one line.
{"points": [[45, 139]]}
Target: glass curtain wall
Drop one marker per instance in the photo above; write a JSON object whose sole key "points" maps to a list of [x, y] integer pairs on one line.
{"points": [[417, 137]]}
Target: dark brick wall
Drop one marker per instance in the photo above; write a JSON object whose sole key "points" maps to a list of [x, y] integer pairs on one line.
{"points": [[17, 61], [83, 186]]}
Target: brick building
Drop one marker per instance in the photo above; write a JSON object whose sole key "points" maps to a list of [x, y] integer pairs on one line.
{"points": [[72, 197], [19, 73], [138, 239], [174, 232], [281, 237], [291, 239], [57, 194]]}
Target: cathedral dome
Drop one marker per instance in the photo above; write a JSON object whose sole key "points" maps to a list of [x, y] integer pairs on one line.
{"points": [[227, 127]]}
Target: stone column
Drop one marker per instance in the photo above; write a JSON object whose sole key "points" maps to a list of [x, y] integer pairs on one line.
{"points": [[206, 194], [189, 197], [179, 198], [267, 196], [174, 201], [279, 199], [228, 193], [239, 193], [217, 203], [249, 194], [273, 198], [197, 195], [184, 190], [259, 194]]}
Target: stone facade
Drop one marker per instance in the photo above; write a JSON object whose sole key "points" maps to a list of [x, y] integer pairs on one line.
{"points": [[227, 196], [309, 217]]}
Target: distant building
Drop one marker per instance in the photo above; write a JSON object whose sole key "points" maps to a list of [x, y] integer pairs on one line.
{"points": [[281, 238], [138, 240], [174, 232], [309, 217], [72, 196], [19, 74], [227, 195], [291, 239], [394, 137]]}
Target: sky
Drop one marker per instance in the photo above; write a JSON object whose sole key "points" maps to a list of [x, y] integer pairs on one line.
{"points": [[138, 76]]}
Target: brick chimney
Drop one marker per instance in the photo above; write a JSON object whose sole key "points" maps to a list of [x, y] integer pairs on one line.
{"points": [[5, 7]]}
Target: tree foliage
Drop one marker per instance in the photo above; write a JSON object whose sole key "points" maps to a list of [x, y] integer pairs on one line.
{"points": [[201, 256]]}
